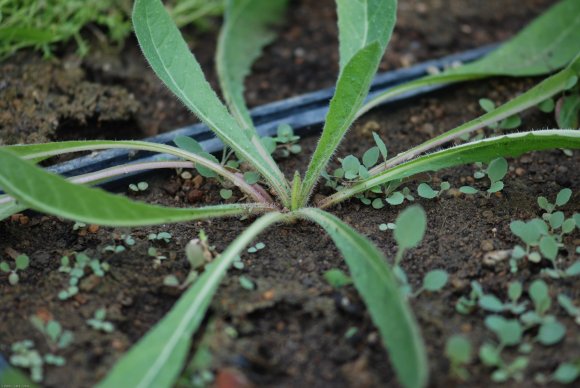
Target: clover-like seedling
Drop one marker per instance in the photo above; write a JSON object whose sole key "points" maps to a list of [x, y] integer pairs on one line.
{"points": [[21, 262], [55, 335], [459, 351], [24, 355], [540, 296], [510, 122], [508, 331], [98, 321], [535, 233], [139, 187], [337, 278], [427, 192]]}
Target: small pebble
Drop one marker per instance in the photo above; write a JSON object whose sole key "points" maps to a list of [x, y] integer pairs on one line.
{"points": [[486, 245]]}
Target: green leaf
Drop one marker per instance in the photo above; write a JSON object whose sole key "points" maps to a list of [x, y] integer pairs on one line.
{"points": [[371, 157], [9, 208], [551, 332], [458, 349], [548, 43], [425, 191], [161, 353], [479, 151], [549, 247], [497, 169], [491, 303], [226, 193], [540, 296], [411, 226], [247, 29], [22, 262], [251, 177], [568, 114], [563, 197], [566, 373], [351, 90], [52, 194], [509, 331], [395, 198], [381, 144], [547, 106], [188, 144], [486, 104], [350, 164], [468, 190], [435, 280], [379, 289], [170, 58], [361, 22]]}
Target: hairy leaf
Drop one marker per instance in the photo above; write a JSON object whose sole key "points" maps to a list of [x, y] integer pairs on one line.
{"points": [[52, 194], [170, 58], [361, 22], [545, 45], [379, 289], [247, 29], [351, 89], [157, 359]]}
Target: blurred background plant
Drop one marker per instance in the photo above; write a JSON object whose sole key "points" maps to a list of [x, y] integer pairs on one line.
{"points": [[41, 24]]}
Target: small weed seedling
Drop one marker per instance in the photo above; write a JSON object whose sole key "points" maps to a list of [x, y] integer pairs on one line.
{"points": [[56, 337], [496, 171], [82, 262], [21, 262], [98, 321], [139, 187], [199, 254], [427, 192], [364, 29], [459, 352], [24, 355], [161, 236], [510, 122]]}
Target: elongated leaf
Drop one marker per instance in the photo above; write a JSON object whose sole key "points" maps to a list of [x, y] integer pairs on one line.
{"points": [[351, 89], [37, 152], [49, 193], [379, 289], [247, 29], [170, 58], [544, 90], [545, 45], [156, 360], [361, 22], [478, 151]]}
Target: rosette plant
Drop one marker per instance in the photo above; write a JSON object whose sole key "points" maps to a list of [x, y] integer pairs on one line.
{"points": [[365, 27]]}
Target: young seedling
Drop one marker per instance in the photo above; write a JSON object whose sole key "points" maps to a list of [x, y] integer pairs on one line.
{"points": [[198, 253], [258, 247], [365, 28], [433, 281], [82, 262], [21, 262], [458, 350], [139, 187], [99, 323], [161, 236], [496, 171], [55, 335], [24, 355], [510, 122]]}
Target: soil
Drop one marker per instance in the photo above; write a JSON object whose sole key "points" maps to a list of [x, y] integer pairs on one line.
{"points": [[290, 330]]}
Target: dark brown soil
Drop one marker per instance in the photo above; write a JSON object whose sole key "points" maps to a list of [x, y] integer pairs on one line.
{"points": [[290, 330]]}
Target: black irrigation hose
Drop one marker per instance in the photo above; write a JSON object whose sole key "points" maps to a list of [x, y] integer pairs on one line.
{"points": [[303, 113]]}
